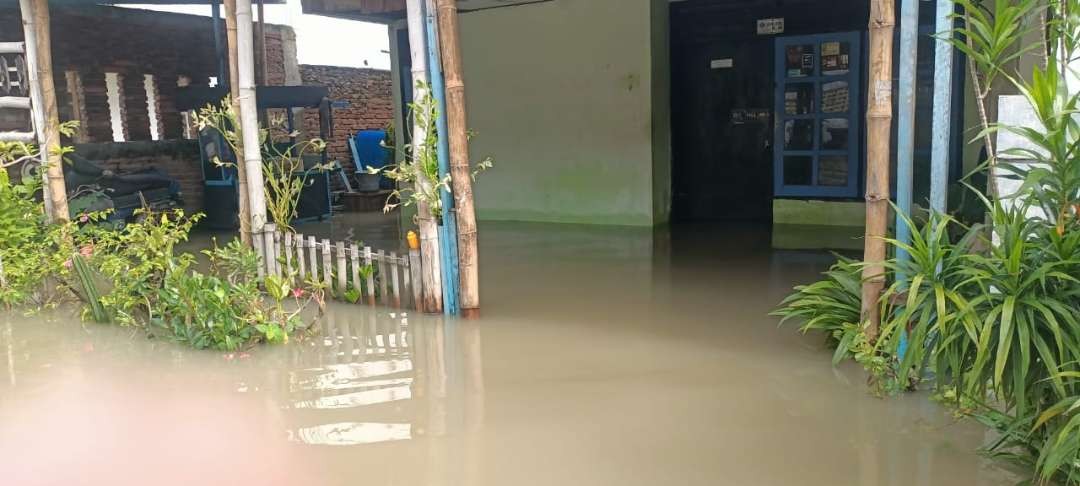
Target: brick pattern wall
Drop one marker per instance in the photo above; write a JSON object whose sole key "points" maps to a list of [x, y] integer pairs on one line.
{"points": [[369, 96], [93, 40]]}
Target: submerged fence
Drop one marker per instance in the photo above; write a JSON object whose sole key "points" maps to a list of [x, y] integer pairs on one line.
{"points": [[346, 270]]}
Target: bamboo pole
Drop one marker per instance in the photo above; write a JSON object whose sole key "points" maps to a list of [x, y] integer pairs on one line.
{"points": [[249, 117], [429, 239], [942, 124], [448, 229], [908, 51], [234, 92], [460, 176], [38, 52], [879, 124]]}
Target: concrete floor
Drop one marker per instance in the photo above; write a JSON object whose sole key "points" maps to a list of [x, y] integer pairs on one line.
{"points": [[604, 356]]}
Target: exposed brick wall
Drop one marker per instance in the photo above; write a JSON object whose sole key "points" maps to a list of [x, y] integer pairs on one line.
{"points": [[93, 40], [369, 96]]}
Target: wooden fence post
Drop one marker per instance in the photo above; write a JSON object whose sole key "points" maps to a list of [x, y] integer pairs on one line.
{"points": [[354, 257], [342, 271], [300, 257], [313, 258], [370, 277], [384, 274], [395, 284], [327, 270]]}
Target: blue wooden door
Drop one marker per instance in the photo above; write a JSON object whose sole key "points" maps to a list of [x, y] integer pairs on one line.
{"points": [[817, 124]]}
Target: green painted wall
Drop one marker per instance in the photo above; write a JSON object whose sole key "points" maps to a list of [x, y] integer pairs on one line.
{"points": [[561, 95], [823, 213]]}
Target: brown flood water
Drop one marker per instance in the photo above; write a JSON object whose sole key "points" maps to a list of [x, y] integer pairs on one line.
{"points": [[604, 357]]}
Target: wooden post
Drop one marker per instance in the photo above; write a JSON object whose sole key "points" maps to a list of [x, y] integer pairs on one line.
{"points": [[234, 92], [342, 270], [268, 248], [370, 281], [248, 115], [313, 258], [384, 276], [354, 257], [300, 257], [395, 284], [38, 51], [879, 124], [429, 239], [460, 173], [327, 271]]}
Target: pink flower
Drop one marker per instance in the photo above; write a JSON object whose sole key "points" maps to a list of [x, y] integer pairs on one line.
{"points": [[87, 251], [67, 263], [298, 292], [83, 218]]}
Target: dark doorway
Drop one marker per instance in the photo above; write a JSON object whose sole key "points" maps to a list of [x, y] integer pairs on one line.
{"points": [[722, 97], [723, 101]]}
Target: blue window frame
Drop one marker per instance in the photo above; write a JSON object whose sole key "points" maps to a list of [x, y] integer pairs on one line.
{"points": [[816, 151]]}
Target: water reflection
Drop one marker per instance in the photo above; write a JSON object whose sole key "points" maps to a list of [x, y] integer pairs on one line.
{"points": [[603, 357], [391, 373]]}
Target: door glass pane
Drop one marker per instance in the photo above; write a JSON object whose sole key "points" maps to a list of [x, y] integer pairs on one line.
{"points": [[834, 134], [835, 97], [835, 58], [798, 170], [798, 134], [799, 99], [799, 60], [832, 170]]}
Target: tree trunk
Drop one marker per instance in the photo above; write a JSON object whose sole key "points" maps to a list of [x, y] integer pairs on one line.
{"points": [[234, 92], [429, 238], [248, 116], [878, 122], [38, 51], [460, 173]]}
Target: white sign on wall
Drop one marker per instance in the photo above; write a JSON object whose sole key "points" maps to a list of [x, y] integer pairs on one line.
{"points": [[722, 63], [770, 26]]}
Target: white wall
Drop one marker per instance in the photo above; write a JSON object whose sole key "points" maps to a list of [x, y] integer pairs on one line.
{"points": [[561, 95]]}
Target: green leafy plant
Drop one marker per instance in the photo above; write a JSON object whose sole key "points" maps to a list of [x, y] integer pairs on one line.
{"points": [[417, 177]]}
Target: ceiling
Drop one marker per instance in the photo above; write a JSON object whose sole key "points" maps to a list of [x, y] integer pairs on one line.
{"points": [[390, 10]]}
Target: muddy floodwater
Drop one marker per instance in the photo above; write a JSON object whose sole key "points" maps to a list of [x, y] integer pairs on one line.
{"points": [[603, 357]]}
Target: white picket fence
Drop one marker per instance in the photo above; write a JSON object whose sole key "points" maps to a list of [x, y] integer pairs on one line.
{"points": [[392, 281]]}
